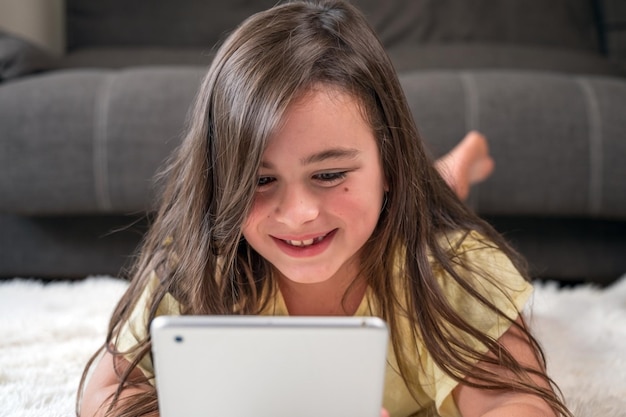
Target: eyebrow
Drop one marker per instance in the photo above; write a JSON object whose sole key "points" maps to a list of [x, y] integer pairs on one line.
{"points": [[332, 153]]}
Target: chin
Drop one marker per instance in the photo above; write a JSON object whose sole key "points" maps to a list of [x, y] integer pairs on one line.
{"points": [[310, 277]]}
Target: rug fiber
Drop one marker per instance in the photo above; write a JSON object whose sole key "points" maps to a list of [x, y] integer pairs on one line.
{"points": [[50, 330]]}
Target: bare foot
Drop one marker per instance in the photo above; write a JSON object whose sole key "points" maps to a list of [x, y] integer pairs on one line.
{"points": [[467, 164]]}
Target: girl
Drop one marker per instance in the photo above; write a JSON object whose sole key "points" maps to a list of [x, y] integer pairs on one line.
{"points": [[303, 188]]}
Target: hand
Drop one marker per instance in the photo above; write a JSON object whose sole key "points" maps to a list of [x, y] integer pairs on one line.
{"points": [[384, 413]]}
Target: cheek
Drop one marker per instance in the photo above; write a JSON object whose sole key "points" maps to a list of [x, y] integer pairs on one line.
{"points": [[356, 204], [255, 216]]}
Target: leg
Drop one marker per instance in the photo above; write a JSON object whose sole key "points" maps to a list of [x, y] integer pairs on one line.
{"points": [[468, 163]]}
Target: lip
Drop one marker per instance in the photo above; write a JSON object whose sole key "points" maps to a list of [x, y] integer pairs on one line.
{"points": [[307, 251]]}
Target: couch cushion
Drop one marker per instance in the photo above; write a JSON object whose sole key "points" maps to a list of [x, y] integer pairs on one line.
{"points": [[557, 140], [90, 141], [95, 138]]}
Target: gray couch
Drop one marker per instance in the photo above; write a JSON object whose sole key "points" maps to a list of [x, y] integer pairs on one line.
{"points": [[82, 135]]}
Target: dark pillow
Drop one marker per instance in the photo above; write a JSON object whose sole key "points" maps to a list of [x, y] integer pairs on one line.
{"points": [[19, 57]]}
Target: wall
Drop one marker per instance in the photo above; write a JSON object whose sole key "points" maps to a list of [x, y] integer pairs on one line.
{"points": [[40, 21]]}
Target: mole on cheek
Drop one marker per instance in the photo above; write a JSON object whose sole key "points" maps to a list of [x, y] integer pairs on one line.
{"points": [[346, 189]]}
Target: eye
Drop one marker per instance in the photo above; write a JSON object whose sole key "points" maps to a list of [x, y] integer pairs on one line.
{"points": [[264, 181], [330, 177]]}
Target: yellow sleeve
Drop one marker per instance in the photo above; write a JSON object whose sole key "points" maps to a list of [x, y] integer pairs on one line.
{"points": [[509, 291], [136, 328]]}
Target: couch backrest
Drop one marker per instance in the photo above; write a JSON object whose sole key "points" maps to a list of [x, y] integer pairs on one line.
{"points": [[613, 23], [168, 23], [558, 23], [202, 23]]}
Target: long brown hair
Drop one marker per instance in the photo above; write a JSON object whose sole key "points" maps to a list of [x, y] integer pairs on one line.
{"points": [[195, 244]]}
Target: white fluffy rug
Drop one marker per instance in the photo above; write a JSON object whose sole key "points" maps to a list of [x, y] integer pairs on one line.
{"points": [[49, 331]]}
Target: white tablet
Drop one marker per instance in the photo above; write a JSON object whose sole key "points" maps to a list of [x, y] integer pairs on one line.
{"points": [[260, 366]]}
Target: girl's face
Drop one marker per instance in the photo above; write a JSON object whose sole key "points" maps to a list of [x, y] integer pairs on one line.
{"points": [[320, 190]]}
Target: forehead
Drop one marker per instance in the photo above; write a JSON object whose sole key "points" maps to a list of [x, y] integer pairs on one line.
{"points": [[329, 95], [322, 117]]}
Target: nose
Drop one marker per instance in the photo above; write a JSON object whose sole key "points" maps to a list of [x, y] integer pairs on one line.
{"points": [[296, 206]]}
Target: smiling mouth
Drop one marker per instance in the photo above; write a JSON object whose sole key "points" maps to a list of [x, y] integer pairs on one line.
{"points": [[305, 243]]}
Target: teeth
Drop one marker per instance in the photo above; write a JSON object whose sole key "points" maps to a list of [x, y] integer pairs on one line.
{"points": [[307, 242], [303, 243]]}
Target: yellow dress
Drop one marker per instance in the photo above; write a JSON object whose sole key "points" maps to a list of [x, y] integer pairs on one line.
{"points": [[435, 394]]}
